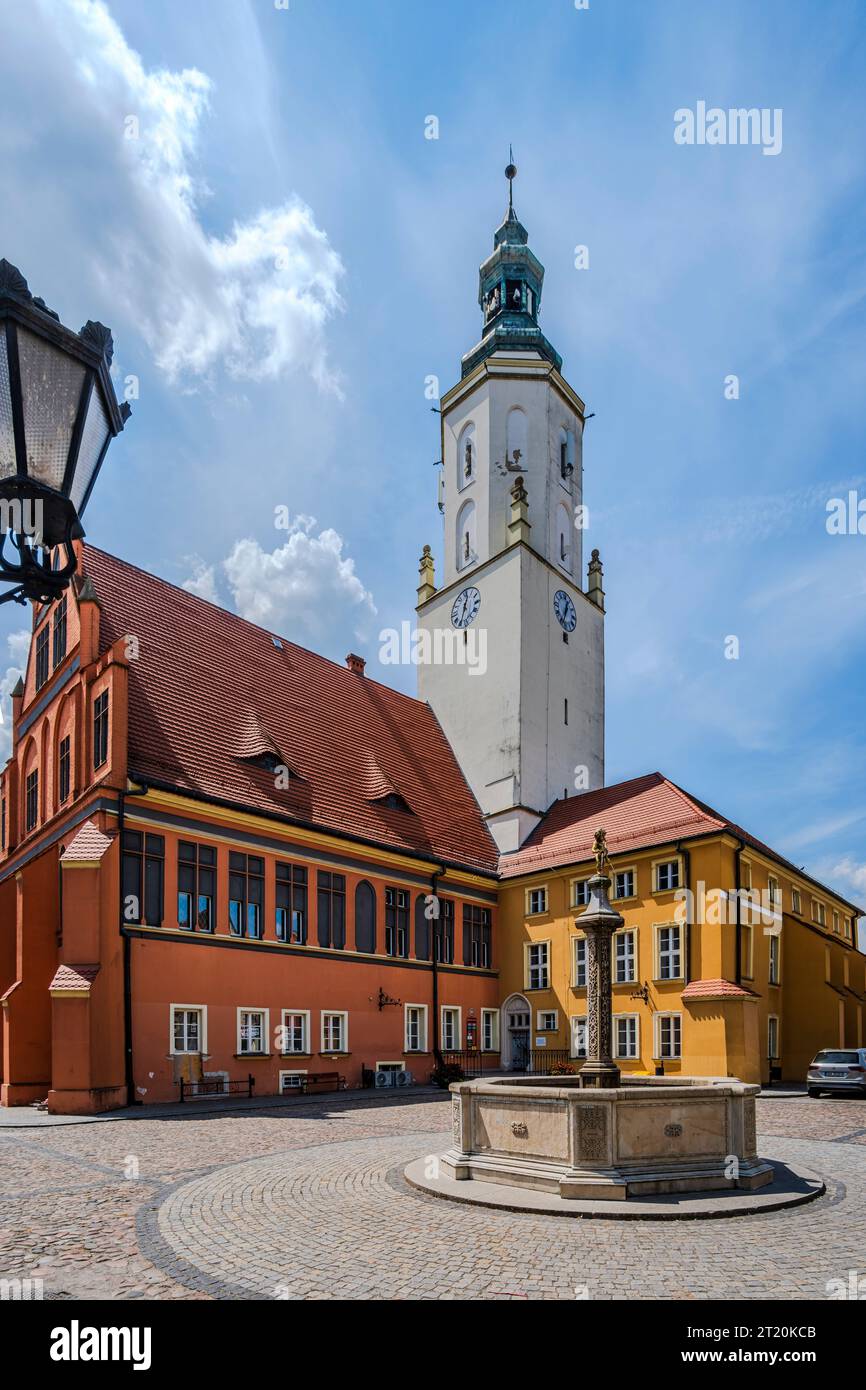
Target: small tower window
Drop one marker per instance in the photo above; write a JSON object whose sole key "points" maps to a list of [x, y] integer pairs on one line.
{"points": [[563, 527], [466, 535], [466, 456]]}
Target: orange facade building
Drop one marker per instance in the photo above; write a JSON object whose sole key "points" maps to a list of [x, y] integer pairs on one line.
{"points": [[224, 857]]}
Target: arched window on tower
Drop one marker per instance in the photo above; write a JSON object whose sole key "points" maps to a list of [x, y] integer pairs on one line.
{"points": [[466, 457], [466, 554], [563, 540], [516, 440], [566, 455]]}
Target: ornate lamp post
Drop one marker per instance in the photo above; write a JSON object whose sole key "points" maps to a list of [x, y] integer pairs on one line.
{"points": [[599, 921], [58, 415]]}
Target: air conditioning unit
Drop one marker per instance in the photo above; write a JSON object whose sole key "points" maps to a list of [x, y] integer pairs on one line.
{"points": [[384, 1078], [403, 1078]]}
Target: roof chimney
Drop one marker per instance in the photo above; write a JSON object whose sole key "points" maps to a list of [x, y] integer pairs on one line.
{"points": [[356, 663]]}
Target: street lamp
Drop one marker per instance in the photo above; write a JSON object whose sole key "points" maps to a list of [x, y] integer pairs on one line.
{"points": [[58, 415]]}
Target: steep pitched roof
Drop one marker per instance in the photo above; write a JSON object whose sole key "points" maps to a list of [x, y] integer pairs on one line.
{"points": [[645, 811], [209, 689]]}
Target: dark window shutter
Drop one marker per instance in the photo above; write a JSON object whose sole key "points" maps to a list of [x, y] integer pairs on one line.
{"points": [[467, 935], [422, 928], [365, 917]]}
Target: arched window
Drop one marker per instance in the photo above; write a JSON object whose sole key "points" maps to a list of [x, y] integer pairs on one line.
{"points": [[517, 439], [566, 455], [466, 554], [422, 928], [466, 458], [365, 917], [563, 539]]}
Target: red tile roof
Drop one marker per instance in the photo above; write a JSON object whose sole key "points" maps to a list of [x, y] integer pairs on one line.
{"points": [[89, 843], [716, 989], [209, 691], [75, 977]]}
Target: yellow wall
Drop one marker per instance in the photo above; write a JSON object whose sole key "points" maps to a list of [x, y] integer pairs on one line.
{"points": [[719, 1036]]}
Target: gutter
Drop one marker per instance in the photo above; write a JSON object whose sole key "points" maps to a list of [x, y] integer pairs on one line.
{"points": [[129, 1075], [434, 965], [738, 939]]}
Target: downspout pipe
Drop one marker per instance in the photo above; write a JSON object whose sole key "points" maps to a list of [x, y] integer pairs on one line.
{"points": [[434, 889], [686, 855], [738, 939], [140, 790]]}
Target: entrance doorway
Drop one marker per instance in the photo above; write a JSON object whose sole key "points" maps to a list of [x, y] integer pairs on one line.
{"points": [[516, 1024]]}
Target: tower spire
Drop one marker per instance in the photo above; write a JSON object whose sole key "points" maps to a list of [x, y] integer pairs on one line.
{"points": [[511, 175]]}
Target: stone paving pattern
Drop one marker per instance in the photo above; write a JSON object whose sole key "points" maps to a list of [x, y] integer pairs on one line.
{"points": [[307, 1200]]}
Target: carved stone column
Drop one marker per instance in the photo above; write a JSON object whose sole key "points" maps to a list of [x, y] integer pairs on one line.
{"points": [[599, 922]]}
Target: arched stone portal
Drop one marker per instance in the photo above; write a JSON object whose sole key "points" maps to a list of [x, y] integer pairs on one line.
{"points": [[515, 1028]]}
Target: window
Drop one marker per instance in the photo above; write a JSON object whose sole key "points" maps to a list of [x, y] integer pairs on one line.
{"points": [[548, 1021], [143, 878], [624, 964], [536, 901], [296, 1031], [31, 799], [450, 1030], [846, 927], [489, 1030], [625, 1034], [335, 1032], [246, 894], [466, 535], [252, 1031], [476, 936], [580, 962], [668, 1035], [623, 883], [100, 729], [836, 923], [578, 1036], [746, 956], [59, 633], [466, 456], [63, 770], [668, 953], [41, 657], [196, 886], [187, 1029], [796, 903], [668, 876], [291, 903], [443, 932], [774, 960], [291, 1081], [773, 1037], [396, 922], [538, 969], [819, 913], [745, 874], [416, 1028], [774, 892], [579, 892]]}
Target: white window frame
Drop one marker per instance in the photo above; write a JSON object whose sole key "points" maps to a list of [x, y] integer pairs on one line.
{"points": [[576, 1021], [576, 950], [658, 864], [545, 897], [796, 902], [335, 1013], [201, 1010], [618, 873], [422, 1028], [626, 1056], [668, 927], [266, 1030], [548, 1028], [451, 1009], [774, 967], [493, 1016], [290, 1071], [774, 891], [575, 884], [747, 951], [294, 1052], [658, 1055], [531, 946], [774, 1055], [618, 936]]}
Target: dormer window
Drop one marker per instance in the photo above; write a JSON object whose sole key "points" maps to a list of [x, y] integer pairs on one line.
{"points": [[394, 802], [269, 761]]}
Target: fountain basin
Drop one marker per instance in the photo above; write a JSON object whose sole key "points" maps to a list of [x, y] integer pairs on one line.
{"points": [[649, 1135]]}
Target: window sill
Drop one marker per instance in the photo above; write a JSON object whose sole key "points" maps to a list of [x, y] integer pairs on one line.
{"points": [[294, 1056], [417, 1052], [334, 1054], [250, 1056]]}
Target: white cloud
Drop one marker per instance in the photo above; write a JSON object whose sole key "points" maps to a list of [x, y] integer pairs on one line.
{"points": [[254, 302], [18, 644], [202, 581], [850, 872], [306, 587]]}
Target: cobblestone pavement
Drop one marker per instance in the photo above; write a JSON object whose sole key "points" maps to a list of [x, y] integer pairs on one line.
{"points": [[309, 1201]]}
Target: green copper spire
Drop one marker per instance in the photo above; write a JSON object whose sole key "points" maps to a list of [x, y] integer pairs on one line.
{"points": [[509, 291]]}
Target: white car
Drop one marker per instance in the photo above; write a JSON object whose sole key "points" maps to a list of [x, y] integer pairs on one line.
{"points": [[838, 1070]]}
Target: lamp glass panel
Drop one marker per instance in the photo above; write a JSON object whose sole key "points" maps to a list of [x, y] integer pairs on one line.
{"points": [[8, 466], [51, 383], [94, 435]]}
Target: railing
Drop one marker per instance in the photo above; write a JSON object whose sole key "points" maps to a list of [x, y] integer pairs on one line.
{"points": [[542, 1060], [215, 1086], [472, 1062]]}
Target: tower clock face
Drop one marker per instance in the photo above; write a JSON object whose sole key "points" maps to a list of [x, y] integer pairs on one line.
{"points": [[465, 607], [564, 610]]}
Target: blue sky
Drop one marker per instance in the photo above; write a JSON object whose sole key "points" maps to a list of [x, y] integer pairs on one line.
{"points": [[284, 258]]}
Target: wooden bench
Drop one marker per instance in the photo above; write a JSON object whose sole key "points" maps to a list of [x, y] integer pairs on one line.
{"points": [[322, 1081]]}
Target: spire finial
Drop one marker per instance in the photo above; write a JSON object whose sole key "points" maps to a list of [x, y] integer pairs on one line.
{"points": [[511, 175]]}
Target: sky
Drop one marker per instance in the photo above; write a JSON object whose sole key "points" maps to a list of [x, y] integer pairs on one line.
{"points": [[245, 191]]}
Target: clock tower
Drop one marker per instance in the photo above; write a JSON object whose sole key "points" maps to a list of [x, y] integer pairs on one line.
{"points": [[512, 643]]}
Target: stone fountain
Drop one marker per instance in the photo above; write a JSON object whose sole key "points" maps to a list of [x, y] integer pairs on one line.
{"points": [[595, 1135]]}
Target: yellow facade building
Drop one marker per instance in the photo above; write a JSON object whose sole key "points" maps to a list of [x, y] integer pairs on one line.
{"points": [[730, 960]]}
